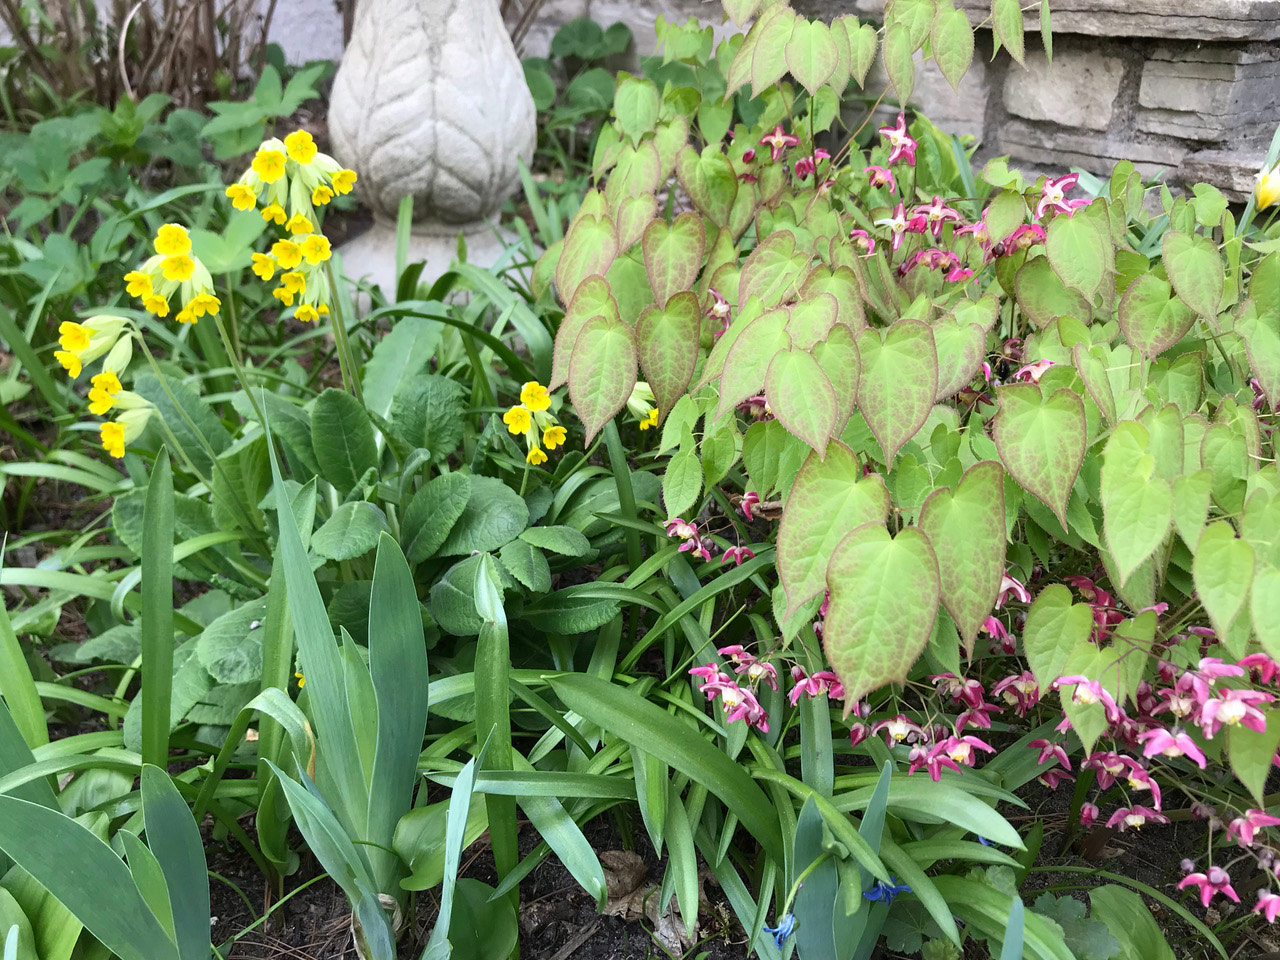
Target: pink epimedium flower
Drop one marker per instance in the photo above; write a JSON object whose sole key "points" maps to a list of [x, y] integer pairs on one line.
{"points": [[1053, 778], [995, 629], [1032, 372], [739, 555], [978, 715], [719, 310], [857, 733], [761, 672], [1168, 743], [738, 704], [1108, 767], [1242, 829], [1054, 195], [738, 655], [1135, 817], [708, 674], [1090, 691], [1262, 665], [1011, 587], [1234, 708], [804, 167], [1050, 751], [1216, 881], [880, 177], [958, 274], [777, 141], [1088, 814], [960, 748], [966, 690], [863, 241], [1140, 779], [1020, 691], [750, 500], [901, 144], [1024, 238], [897, 225], [749, 156], [1268, 905], [897, 729], [684, 529], [936, 214], [1212, 668]]}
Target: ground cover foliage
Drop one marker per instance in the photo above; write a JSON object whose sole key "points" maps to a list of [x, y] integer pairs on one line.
{"points": [[877, 541]]}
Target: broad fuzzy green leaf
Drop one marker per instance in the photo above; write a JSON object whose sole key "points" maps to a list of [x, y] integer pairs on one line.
{"points": [[842, 284], [863, 39], [1196, 271], [589, 249], [673, 254], [1006, 17], [899, 380], [431, 514], [1041, 441], [967, 532], [1251, 753], [899, 62], [829, 499], [768, 58], [1264, 609], [838, 357], [1223, 572], [667, 346], [681, 482], [634, 214], [802, 398], [638, 173], [1151, 318], [351, 532], [494, 515], [884, 601], [1261, 334], [342, 438], [602, 372], [1137, 504], [1078, 251], [1191, 505]]}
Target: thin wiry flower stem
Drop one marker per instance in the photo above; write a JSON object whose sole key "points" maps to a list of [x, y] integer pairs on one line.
{"points": [[239, 368], [346, 359]]}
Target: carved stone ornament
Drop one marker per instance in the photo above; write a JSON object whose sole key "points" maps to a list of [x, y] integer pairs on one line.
{"points": [[430, 101]]}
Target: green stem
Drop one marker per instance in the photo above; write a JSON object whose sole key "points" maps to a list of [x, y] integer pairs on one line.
{"points": [[626, 495], [233, 355], [346, 359]]}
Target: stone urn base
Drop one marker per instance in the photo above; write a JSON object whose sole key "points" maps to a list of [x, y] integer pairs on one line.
{"points": [[371, 256]]}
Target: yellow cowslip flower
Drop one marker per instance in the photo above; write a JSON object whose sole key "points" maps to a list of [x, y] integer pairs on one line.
{"points": [[343, 180], [535, 396], [554, 436], [268, 164], [306, 313], [294, 281], [74, 337], [299, 223], [315, 248], [301, 146], [517, 420], [535, 456], [321, 195], [284, 295], [287, 253], [154, 303], [172, 240], [323, 309], [138, 284], [112, 439], [263, 266], [274, 213], [203, 303], [178, 268], [186, 315], [641, 404], [70, 362], [651, 420], [243, 196], [1267, 190], [302, 681], [102, 396]]}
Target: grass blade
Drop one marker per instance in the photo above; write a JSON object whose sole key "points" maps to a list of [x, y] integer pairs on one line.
{"points": [[156, 620], [18, 686], [1013, 932], [174, 838]]}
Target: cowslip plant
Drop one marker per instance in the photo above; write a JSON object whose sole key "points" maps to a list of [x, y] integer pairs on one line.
{"points": [[964, 401]]}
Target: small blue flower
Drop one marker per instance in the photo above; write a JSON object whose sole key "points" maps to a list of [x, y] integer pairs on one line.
{"points": [[983, 840], [886, 891], [783, 930]]}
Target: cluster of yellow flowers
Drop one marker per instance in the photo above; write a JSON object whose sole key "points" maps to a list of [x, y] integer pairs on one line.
{"points": [[83, 343], [291, 178], [531, 418], [174, 269]]}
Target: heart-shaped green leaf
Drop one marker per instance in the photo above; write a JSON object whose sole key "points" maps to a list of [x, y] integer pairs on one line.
{"points": [[769, 58], [1191, 505], [898, 383], [1137, 505], [1079, 252], [884, 601], [1043, 297], [967, 532], [592, 299], [810, 320], [602, 372], [773, 271], [1251, 753], [589, 248], [1223, 572], [811, 54], [635, 104], [802, 398], [673, 255], [1093, 369], [841, 284], [748, 359], [638, 172], [1041, 441], [862, 47], [634, 214], [953, 51], [1055, 629], [828, 500], [1006, 17], [1150, 318], [1196, 271], [960, 347], [1261, 334], [709, 180], [838, 357], [899, 61], [668, 348]]}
